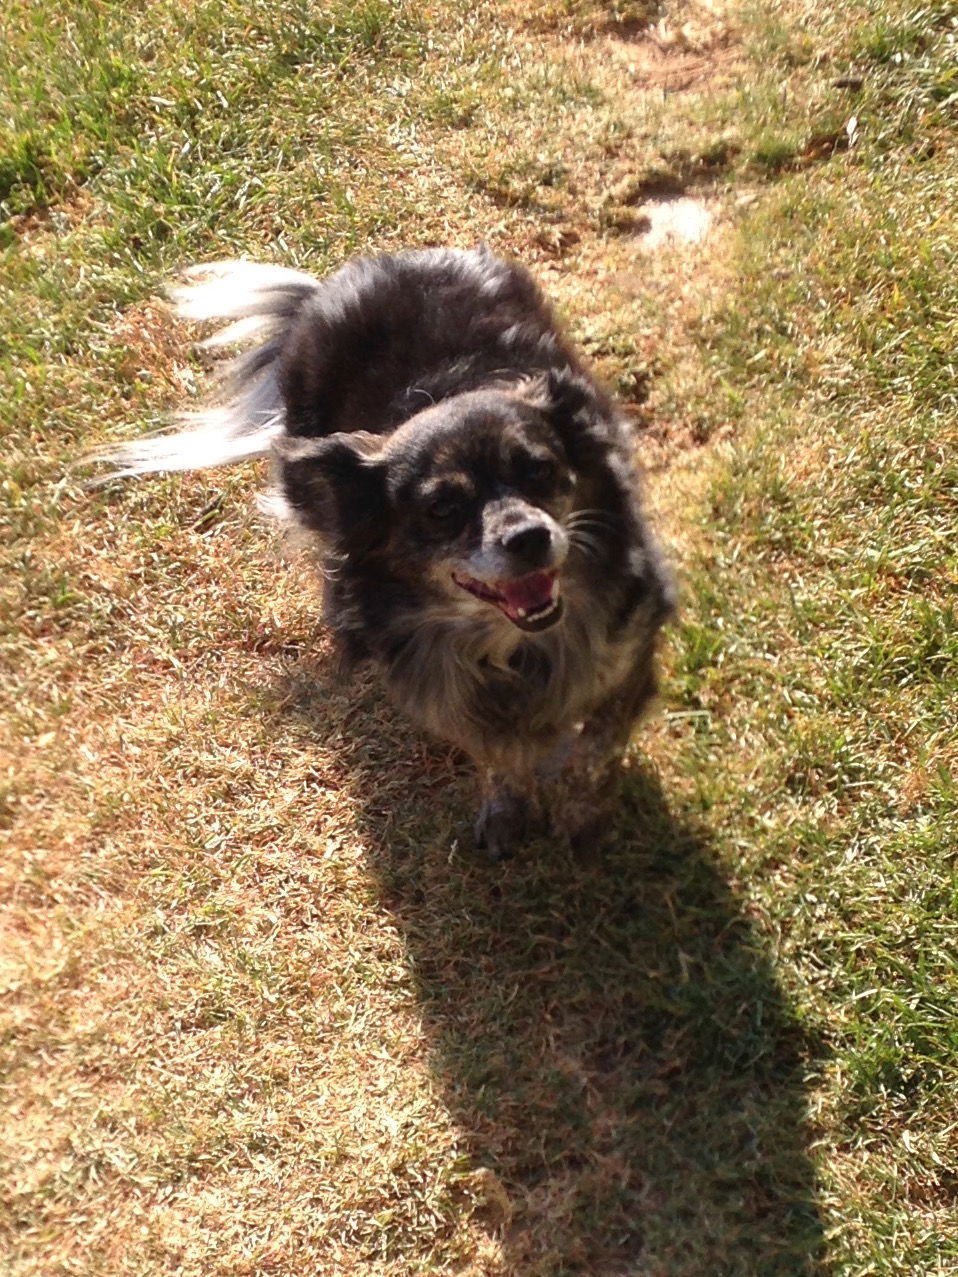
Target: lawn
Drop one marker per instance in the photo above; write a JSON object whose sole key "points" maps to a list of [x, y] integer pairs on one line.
{"points": [[263, 1010]]}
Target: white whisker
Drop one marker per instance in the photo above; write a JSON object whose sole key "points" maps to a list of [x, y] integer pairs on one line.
{"points": [[586, 544]]}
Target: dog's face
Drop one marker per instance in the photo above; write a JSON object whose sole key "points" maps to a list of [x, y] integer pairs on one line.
{"points": [[480, 487], [471, 495]]}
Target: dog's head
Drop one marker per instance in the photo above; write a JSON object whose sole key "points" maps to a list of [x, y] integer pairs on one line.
{"points": [[473, 496]]}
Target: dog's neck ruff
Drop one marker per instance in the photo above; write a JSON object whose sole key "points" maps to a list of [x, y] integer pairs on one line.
{"points": [[504, 696]]}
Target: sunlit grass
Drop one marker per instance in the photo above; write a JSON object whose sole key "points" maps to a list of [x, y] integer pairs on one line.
{"points": [[264, 1010]]}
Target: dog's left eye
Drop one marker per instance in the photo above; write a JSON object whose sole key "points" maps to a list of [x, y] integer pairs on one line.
{"points": [[445, 510], [539, 471]]}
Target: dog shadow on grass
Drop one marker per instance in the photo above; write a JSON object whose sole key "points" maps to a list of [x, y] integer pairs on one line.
{"points": [[608, 1032]]}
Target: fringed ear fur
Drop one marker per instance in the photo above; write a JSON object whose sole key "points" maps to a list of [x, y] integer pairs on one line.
{"points": [[570, 395], [336, 486], [578, 410]]}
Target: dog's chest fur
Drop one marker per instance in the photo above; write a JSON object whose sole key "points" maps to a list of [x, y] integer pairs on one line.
{"points": [[474, 680]]}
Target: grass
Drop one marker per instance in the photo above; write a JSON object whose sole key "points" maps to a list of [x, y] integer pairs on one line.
{"points": [[263, 1010]]}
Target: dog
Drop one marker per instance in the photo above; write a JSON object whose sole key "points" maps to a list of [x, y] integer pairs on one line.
{"points": [[472, 492]]}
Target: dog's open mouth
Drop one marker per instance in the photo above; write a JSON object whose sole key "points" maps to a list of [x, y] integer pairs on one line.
{"points": [[532, 602]]}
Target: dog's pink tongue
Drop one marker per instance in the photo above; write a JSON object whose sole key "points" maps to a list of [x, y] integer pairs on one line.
{"points": [[529, 593]]}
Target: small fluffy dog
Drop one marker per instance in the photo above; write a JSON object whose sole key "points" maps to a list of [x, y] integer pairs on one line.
{"points": [[472, 492]]}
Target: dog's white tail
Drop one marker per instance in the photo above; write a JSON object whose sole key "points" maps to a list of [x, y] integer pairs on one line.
{"points": [[257, 302]]}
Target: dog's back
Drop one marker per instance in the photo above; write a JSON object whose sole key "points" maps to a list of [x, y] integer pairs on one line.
{"points": [[386, 336]]}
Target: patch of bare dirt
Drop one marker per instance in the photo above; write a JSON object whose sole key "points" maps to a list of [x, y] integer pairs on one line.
{"points": [[670, 61], [36, 229]]}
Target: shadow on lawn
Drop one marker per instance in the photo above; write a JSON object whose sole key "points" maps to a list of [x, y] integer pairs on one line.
{"points": [[609, 1034]]}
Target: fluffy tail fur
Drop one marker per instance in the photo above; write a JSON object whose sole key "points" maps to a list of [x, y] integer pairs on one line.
{"points": [[256, 302]]}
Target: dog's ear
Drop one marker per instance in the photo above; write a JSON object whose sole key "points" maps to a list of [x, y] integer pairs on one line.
{"points": [[579, 412], [337, 487]]}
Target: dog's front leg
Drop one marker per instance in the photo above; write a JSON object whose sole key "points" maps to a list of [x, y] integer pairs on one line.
{"points": [[503, 819], [585, 771], [606, 735]]}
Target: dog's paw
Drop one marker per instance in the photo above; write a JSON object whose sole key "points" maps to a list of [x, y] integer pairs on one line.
{"points": [[501, 825]]}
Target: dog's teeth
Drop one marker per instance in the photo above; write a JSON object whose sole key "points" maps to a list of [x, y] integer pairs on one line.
{"points": [[540, 614], [521, 611]]}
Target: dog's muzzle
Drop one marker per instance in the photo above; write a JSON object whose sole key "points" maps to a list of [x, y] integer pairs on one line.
{"points": [[531, 602]]}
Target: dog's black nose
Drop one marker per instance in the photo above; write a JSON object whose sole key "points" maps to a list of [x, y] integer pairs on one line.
{"points": [[530, 543]]}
